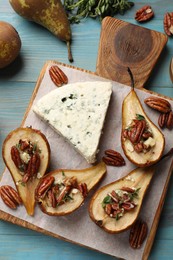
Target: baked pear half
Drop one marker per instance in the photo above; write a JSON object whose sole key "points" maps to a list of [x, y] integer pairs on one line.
{"points": [[26, 153], [63, 191], [116, 206], [142, 141]]}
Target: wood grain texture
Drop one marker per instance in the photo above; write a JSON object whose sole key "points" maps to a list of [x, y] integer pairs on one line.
{"points": [[125, 45], [16, 85]]}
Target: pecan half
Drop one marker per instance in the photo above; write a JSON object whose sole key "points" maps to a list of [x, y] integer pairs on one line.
{"points": [[52, 198], [159, 104], [128, 206], [166, 120], [137, 131], [114, 196], [83, 189], [44, 185], [57, 76], [138, 234], [24, 144], [32, 168], [128, 189], [113, 158], [168, 23], [146, 135], [10, 196], [15, 155], [139, 147], [144, 14], [108, 209], [162, 119], [169, 123], [63, 193]]}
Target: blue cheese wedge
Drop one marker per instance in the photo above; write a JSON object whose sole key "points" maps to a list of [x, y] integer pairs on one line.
{"points": [[77, 112]]}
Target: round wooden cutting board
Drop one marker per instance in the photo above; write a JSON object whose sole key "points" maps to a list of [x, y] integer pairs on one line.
{"points": [[125, 45]]}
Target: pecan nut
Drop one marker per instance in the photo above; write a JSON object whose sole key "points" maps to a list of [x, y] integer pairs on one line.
{"points": [[33, 167], [10, 196], [137, 131], [44, 185], [108, 209], [128, 189], [169, 123], [57, 76], [113, 158], [138, 234], [15, 155], [83, 189], [146, 135], [128, 205], [66, 190], [140, 147], [52, 198], [159, 104], [166, 120], [168, 23], [144, 14], [24, 144], [162, 119]]}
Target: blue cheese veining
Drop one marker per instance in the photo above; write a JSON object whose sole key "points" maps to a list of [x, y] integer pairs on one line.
{"points": [[77, 112]]}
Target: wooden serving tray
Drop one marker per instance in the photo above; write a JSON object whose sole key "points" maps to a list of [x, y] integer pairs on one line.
{"points": [[65, 227], [125, 45]]}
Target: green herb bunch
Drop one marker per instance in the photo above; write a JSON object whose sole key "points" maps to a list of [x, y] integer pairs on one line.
{"points": [[95, 8]]}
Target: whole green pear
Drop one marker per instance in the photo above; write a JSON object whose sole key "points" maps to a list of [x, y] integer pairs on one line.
{"points": [[48, 13]]}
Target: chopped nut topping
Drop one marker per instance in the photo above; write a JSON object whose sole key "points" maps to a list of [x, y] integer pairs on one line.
{"points": [[119, 201], [57, 192], [25, 156], [139, 135]]}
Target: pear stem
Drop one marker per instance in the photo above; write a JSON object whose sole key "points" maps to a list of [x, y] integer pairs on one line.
{"points": [[131, 77], [70, 57]]}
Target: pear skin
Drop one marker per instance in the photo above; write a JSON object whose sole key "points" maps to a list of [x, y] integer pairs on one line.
{"points": [[26, 190], [10, 44], [132, 106], [89, 176], [139, 178], [50, 14]]}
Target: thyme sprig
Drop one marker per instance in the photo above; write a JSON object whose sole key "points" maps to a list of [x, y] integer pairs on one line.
{"points": [[80, 9]]}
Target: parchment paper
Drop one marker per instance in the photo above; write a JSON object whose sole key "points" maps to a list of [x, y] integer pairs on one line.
{"points": [[78, 227]]}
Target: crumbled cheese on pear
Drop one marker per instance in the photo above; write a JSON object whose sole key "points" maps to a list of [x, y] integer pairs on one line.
{"points": [[39, 175], [129, 178], [25, 157], [150, 142], [74, 191]]}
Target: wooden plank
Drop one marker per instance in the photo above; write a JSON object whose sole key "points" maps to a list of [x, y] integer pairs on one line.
{"points": [[119, 50], [157, 217], [15, 220]]}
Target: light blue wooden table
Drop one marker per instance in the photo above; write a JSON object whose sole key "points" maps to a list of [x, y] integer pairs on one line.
{"points": [[16, 85]]}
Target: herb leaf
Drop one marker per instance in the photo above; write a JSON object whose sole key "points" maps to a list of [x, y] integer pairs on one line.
{"points": [[67, 198], [34, 147], [106, 200], [140, 117], [80, 9]]}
